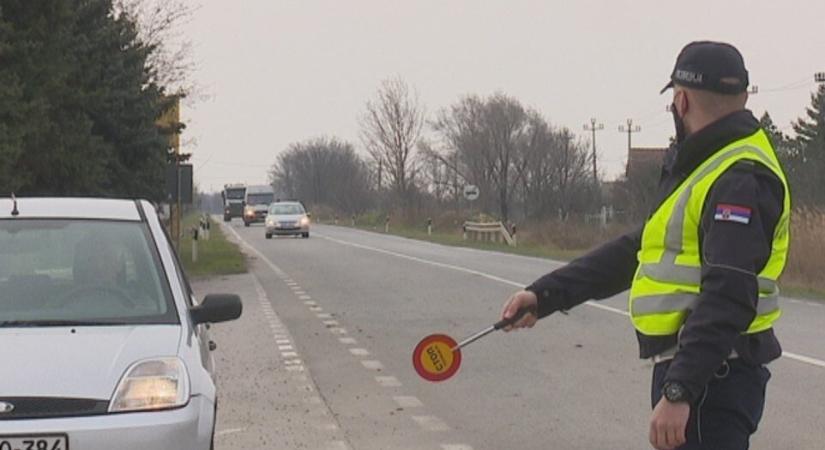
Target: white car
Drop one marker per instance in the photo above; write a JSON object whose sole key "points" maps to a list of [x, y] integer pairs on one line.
{"points": [[287, 219], [102, 343]]}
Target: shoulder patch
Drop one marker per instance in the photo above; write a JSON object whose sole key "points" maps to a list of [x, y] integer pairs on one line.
{"points": [[732, 213]]}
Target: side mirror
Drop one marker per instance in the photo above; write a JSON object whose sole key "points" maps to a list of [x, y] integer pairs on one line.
{"points": [[309, 215], [217, 308]]}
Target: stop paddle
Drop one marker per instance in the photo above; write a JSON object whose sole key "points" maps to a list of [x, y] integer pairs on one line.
{"points": [[437, 357]]}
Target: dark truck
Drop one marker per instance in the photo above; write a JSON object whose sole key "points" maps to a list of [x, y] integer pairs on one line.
{"points": [[234, 196]]}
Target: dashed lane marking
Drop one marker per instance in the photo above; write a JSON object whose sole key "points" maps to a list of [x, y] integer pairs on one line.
{"points": [[430, 423], [347, 340], [372, 365], [407, 401], [229, 431], [388, 381], [456, 447], [359, 351]]}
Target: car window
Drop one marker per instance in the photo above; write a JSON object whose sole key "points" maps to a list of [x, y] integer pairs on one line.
{"points": [[259, 199], [78, 270], [286, 209]]}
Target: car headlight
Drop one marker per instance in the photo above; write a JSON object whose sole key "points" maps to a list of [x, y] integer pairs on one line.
{"points": [[304, 221], [152, 384]]}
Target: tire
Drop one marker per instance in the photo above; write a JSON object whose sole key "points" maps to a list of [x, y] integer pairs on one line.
{"points": [[226, 218], [245, 223], [269, 235], [305, 235]]}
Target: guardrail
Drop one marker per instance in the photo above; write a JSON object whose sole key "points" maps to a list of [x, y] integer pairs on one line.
{"points": [[490, 232]]}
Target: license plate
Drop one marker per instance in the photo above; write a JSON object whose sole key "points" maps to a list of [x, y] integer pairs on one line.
{"points": [[35, 442]]}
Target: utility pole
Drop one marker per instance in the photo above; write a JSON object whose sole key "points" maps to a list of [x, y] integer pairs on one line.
{"points": [[629, 129], [593, 127]]}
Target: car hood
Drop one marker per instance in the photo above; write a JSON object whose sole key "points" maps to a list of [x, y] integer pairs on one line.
{"points": [[259, 208], [86, 363], [286, 217]]}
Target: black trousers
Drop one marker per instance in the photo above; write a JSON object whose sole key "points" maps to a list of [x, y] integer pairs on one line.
{"points": [[728, 411]]}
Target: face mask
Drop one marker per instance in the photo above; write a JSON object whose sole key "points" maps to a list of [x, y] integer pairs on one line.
{"points": [[679, 124]]}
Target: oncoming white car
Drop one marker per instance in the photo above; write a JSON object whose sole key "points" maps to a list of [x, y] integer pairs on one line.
{"points": [[103, 343], [287, 219]]}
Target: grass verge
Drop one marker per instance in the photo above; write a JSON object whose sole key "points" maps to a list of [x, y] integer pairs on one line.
{"points": [[216, 256]]}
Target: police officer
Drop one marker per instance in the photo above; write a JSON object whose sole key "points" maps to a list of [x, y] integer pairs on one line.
{"points": [[702, 270]]}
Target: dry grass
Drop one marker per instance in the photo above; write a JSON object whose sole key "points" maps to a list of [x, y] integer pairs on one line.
{"points": [[804, 271]]}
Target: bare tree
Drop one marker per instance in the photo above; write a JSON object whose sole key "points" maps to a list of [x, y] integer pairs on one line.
{"points": [[323, 171], [390, 129], [158, 26]]}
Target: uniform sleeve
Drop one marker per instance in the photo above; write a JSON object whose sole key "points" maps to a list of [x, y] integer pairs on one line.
{"points": [[736, 236], [602, 273]]}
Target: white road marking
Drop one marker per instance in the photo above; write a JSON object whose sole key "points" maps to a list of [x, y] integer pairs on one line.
{"points": [[387, 381], [310, 303], [282, 341], [359, 351], [347, 340], [324, 315], [337, 445], [407, 401], [430, 423], [229, 431], [372, 365], [331, 323], [295, 288], [289, 355], [285, 347], [456, 447], [804, 359], [292, 362], [316, 308], [300, 293], [798, 357], [304, 297], [338, 330]]}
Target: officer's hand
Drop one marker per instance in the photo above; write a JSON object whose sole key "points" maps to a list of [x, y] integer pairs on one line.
{"points": [[668, 424], [519, 300]]}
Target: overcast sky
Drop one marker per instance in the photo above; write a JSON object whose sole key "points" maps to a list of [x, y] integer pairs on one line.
{"points": [[276, 72]]}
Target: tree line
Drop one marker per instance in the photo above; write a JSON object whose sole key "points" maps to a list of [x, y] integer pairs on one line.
{"points": [[526, 167], [82, 84], [523, 165]]}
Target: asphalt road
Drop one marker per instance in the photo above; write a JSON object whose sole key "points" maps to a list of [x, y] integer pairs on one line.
{"points": [[353, 304]]}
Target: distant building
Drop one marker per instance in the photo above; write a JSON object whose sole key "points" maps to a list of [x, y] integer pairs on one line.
{"points": [[642, 159]]}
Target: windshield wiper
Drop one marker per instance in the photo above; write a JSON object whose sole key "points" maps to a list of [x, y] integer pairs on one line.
{"points": [[55, 323]]}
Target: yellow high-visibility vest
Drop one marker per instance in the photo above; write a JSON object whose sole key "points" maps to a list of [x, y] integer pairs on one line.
{"points": [[668, 280]]}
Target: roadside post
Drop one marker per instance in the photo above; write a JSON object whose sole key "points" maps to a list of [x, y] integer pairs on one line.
{"points": [[387, 224], [513, 234], [353, 220], [194, 244], [429, 226]]}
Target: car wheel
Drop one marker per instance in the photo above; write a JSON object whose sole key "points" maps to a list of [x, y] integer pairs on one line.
{"points": [[305, 235], [245, 223], [226, 218], [269, 235]]}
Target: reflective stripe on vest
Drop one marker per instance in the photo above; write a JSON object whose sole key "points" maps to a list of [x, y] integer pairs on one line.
{"points": [[665, 290]]}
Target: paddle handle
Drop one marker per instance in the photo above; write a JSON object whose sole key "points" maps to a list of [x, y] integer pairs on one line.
{"points": [[519, 314]]}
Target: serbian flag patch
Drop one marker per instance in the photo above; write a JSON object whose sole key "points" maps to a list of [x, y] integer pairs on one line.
{"points": [[732, 213]]}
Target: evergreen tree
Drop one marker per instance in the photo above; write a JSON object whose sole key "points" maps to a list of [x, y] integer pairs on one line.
{"points": [[810, 147], [78, 108]]}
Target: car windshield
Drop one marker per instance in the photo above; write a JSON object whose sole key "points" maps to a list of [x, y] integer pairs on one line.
{"points": [[235, 194], [286, 209], [55, 272], [259, 199]]}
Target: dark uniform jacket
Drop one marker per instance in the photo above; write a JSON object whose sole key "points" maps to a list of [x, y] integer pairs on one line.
{"points": [[732, 254]]}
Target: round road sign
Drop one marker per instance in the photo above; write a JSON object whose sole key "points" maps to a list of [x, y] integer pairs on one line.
{"points": [[471, 192], [434, 358]]}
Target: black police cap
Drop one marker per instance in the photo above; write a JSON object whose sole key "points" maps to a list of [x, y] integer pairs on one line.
{"points": [[711, 66]]}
